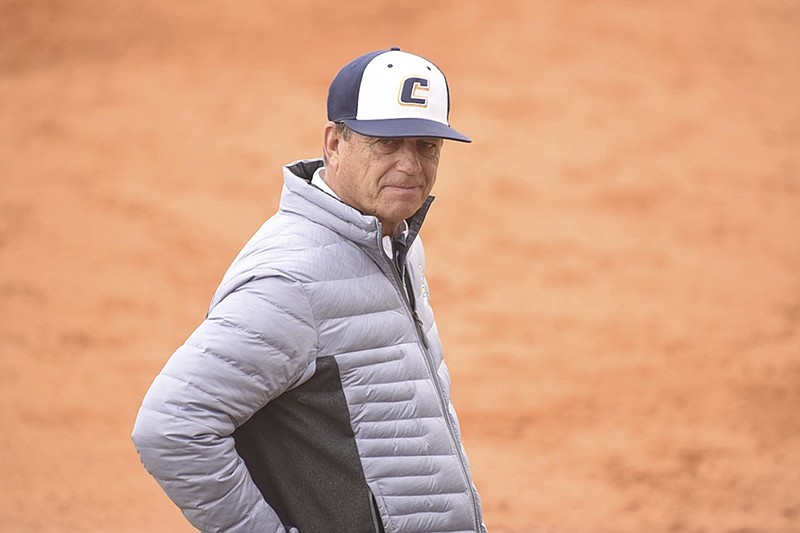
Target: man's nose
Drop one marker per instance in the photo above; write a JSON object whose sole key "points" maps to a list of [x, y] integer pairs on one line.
{"points": [[408, 158]]}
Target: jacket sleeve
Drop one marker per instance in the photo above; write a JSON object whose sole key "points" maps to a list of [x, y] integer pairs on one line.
{"points": [[254, 344]]}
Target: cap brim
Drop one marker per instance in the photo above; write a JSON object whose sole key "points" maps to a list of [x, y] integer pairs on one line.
{"points": [[405, 127]]}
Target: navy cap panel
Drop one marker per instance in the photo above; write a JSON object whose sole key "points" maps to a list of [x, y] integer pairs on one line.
{"points": [[343, 91]]}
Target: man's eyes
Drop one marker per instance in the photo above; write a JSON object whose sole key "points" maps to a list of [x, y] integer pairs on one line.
{"points": [[428, 145], [390, 144]]}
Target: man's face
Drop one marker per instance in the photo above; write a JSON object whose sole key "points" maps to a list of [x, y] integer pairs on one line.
{"points": [[386, 177]]}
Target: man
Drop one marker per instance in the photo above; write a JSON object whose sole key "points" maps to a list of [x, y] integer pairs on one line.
{"points": [[314, 397]]}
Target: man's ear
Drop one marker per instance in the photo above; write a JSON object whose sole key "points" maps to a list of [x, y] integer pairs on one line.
{"points": [[330, 144]]}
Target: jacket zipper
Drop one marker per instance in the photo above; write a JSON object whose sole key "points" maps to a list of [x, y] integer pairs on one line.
{"points": [[406, 290]]}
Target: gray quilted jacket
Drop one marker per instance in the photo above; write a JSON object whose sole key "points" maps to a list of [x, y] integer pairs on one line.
{"points": [[313, 397]]}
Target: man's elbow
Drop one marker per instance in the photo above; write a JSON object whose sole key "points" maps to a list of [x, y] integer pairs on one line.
{"points": [[148, 432]]}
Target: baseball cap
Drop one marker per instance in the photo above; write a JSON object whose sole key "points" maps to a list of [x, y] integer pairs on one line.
{"points": [[391, 93]]}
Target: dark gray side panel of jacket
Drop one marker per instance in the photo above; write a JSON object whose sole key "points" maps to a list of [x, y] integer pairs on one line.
{"points": [[303, 435]]}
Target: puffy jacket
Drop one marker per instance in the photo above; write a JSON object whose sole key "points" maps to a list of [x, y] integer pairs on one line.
{"points": [[314, 394]]}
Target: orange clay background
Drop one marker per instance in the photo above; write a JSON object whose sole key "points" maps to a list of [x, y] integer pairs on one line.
{"points": [[614, 261]]}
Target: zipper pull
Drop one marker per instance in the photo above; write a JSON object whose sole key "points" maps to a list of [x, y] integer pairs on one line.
{"points": [[421, 329]]}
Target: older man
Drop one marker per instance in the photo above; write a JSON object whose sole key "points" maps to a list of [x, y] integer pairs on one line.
{"points": [[314, 396]]}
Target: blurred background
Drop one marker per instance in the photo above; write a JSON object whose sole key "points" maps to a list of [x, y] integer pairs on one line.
{"points": [[614, 261]]}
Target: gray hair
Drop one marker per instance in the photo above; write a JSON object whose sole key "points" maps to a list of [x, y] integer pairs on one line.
{"points": [[344, 132]]}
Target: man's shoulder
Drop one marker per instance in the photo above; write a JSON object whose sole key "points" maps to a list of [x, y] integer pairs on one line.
{"points": [[300, 248], [289, 233]]}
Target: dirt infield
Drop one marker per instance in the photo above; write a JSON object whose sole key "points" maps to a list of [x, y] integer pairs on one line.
{"points": [[614, 261]]}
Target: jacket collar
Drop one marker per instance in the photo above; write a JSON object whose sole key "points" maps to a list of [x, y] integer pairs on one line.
{"points": [[302, 199]]}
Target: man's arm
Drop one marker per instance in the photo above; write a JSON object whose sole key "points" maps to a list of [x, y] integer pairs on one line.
{"points": [[252, 346]]}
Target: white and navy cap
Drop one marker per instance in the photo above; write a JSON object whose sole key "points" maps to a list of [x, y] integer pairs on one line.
{"points": [[391, 93]]}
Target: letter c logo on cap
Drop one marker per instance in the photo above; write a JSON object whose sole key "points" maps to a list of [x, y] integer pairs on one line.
{"points": [[410, 92]]}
